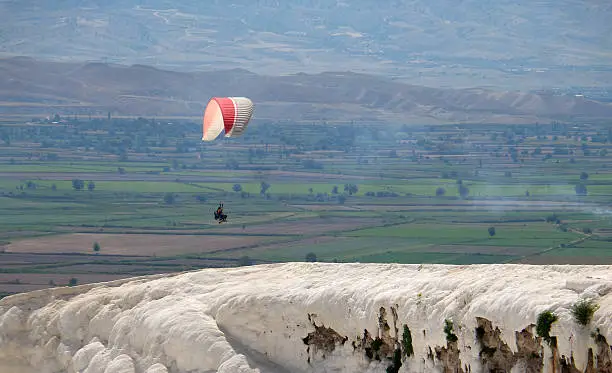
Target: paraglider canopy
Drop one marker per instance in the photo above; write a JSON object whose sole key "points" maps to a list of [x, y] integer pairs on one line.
{"points": [[231, 114]]}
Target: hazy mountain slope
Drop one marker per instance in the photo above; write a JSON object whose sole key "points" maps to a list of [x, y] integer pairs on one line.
{"points": [[431, 42], [307, 317], [39, 87]]}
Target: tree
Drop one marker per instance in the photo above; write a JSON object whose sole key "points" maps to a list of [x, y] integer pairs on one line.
{"points": [[6, 138], [351, 189], [335, 189], [552, 219], [91, 186], [73, 281], [53, 187], [311, 257], [491, 231], [169, 198], [312, 164], [96, 246], [232, 164], [78, 184], [237, 188], [463, 191], [408, 349], [581, 190], [245, 261], [264, 187], [584, 176], [341, 199], [440, 192]]}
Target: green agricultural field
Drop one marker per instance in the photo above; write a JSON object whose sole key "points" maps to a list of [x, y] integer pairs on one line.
{"points": [[534, 235], [431, 200]]}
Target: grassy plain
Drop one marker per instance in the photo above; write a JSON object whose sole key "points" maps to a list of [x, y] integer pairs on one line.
{"points": [[358, 193]]}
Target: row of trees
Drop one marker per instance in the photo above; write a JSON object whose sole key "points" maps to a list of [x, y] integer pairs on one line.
{"points": [[264, 186], [350, 189], [78, 184], [247, 261]]}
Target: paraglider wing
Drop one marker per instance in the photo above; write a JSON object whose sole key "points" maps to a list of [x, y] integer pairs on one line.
{"points": [[218, 116], [244, 112], [231, 114]]}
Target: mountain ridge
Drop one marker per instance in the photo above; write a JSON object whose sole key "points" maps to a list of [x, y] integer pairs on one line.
{"points": [[441, 43], [80, 88]]}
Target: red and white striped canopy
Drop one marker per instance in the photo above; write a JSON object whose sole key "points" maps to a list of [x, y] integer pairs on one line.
{"points": [[231, 114]]}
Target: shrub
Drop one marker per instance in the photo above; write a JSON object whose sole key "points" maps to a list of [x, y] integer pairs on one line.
{"points": [[544, 323], [463, 191], [581, 190], [169, 198], [245, 261], [311, 257], [491, 231], [407, 341], [448, 330], [583, 311]]}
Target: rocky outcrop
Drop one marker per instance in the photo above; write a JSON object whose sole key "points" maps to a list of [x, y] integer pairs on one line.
{"points": [[322, 339], [568, 365], [448, 357], [604, 355], [529, 354], [386, 341], [495, 354], [383, 345], [386, 346], [590, 366]]}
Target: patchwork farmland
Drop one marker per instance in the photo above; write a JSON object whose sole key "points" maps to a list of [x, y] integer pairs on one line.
{"points": [[93, 200]]}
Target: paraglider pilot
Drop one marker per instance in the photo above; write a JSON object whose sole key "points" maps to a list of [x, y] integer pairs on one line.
{"points": [[219, 213]]}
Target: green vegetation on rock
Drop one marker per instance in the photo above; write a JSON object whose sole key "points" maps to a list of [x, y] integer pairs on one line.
{"points": [[544, 324], [583, 311]]}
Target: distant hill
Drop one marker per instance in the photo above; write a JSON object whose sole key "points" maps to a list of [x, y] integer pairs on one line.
{"points": [[439, 43], [39, 87]]}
